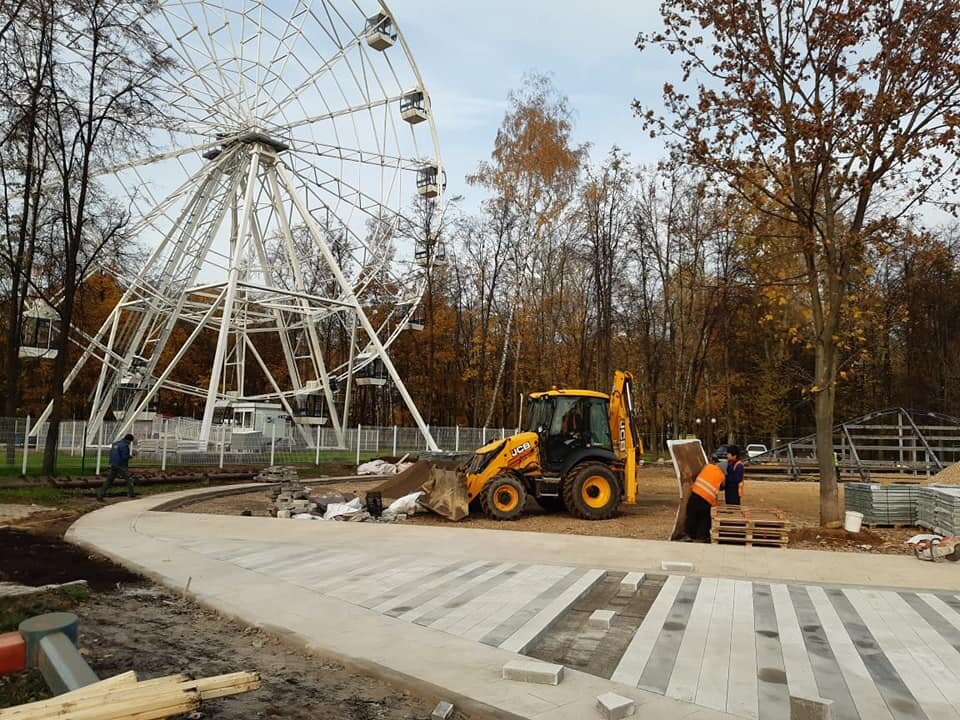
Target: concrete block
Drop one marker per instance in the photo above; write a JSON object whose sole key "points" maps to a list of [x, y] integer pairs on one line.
{"points": [[676, 566], [285, 514], [631, 583], [13, 653], [532, 671], [808, 708], [443, 711], [615, 707], [601, 619]]}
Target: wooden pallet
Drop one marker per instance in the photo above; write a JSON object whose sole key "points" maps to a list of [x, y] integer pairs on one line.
{"points": [[738, 525], [897, 526]]}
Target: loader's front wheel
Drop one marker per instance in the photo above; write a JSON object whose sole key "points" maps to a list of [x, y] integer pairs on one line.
{"points": [[591, 492], [503, 498]]}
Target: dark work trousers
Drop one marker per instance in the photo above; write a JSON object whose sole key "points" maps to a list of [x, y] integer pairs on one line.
{"points": [[116, 471], [698, 518]]}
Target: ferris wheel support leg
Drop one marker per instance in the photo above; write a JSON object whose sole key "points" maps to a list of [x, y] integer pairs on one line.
{"points": [[222, 338], [346, 288], [316, 353], [130, 418]]}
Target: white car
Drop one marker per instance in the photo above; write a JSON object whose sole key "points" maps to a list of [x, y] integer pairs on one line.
{"points": [[756, 449]]}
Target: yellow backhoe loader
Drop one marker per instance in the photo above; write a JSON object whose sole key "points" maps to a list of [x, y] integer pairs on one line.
{"points": [[578, 453]]}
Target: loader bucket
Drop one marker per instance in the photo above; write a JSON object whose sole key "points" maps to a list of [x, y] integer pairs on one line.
{"points": [[446, 494]]}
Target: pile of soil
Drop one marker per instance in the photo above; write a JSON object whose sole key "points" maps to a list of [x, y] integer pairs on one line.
{"points": [[35, 560], [950, 475], [887, 542]]}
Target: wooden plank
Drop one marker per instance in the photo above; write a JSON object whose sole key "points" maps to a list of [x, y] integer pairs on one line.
{"points": [[796, 664], [863, 690], [126, 679], [686, 671], [742, 691], [715, 668], [913, 675], [637, 654]]}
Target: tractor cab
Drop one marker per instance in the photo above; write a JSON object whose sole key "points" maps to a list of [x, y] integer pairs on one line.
{"points": [[569, 424]]}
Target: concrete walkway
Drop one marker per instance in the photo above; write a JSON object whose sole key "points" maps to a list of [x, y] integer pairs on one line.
{"points": [[444, 609]]}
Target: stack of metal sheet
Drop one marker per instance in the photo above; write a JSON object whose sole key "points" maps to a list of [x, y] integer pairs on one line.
{"points": [[883, 504], [938, 509]]}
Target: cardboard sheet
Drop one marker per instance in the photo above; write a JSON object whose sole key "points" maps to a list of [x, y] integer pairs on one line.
{"points": [[688, 458]]}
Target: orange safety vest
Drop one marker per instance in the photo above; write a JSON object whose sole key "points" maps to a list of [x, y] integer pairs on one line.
{"points": [[707, 484]]}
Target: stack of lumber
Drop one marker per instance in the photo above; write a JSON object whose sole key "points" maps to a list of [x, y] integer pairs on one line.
{"points": [[125, 697], [738, 525], [883, 504]]}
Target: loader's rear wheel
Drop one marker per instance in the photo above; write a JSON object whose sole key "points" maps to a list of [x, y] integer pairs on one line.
{"points": [[591, 492], [503, 498], [552, 504]]}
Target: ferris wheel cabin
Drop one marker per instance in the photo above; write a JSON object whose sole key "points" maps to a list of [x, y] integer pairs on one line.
{"points": [[380, 31], [309, 404], [414, 107], [372, 374], [39, 331], [429, 181]]}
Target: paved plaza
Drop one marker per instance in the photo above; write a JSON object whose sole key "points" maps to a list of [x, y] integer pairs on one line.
{"points": [[446, 608]]}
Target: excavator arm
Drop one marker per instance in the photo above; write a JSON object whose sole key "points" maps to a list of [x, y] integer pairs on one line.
{"points": [[623, 426]]}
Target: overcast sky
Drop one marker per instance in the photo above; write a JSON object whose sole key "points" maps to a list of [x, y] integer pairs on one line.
{"points": [[471, 54]]}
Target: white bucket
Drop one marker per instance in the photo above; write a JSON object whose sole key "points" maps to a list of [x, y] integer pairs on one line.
{"points": [[853, 521]]}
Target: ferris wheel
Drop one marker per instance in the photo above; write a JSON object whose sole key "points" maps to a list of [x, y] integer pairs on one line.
{"points": [[284, 199]]}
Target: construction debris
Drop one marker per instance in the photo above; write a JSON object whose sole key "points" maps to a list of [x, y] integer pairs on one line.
{"points": [[290, 498], [125, 696], [380, 466], [278, 474], [935, 547]]}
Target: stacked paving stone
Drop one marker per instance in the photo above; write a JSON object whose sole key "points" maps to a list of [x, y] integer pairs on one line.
{"points": [[883, 504], [291, 498], [278, 474], [938, 509]]}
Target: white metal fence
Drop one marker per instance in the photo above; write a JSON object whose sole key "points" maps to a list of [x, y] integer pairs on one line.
{"points": [[171, 442]]}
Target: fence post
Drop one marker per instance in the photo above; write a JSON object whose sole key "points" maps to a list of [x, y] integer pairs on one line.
{"points": [[503, 433], [359, 427], [457, 440], [317, 459], [376, 442], [483, 436], [394, 440], [26, 446], [99, 447], [273, 441], [163, 453], [223, 443], [73, 438]]}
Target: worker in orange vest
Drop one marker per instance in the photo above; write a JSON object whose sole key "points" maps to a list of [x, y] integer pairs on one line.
{"points": [[703, 496]]}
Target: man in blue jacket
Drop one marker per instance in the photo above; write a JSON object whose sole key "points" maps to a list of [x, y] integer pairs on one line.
{"points": [[119, 466], [733, 483]]}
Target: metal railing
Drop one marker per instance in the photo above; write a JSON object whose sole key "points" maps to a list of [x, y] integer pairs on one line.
{"points": [[176, 442]]}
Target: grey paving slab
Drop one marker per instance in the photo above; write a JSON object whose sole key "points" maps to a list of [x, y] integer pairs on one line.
{"points": [[911, 672], [690, 657], [796, 661], [457, 594], [742, 690], [715, 665], [949, 632], [659, 667], [635, 657], [454, 580], [511, 625], [416, 583], [826, 670], [896, 694], [470, 601], [864, 693], [773, 697]]}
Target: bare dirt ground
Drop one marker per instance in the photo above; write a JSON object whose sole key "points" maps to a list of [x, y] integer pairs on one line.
{"points": [[651, 518], [127, 623]]}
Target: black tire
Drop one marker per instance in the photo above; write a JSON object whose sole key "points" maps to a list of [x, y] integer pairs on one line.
{"points": [[503, 498], [552, 504], [591, 492]]}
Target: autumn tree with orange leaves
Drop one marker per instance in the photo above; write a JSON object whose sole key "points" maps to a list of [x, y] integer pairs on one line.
{"points": [[840, 114]]}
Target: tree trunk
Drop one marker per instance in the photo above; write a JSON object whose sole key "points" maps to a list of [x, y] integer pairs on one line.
{"points": [[825, 378]]}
